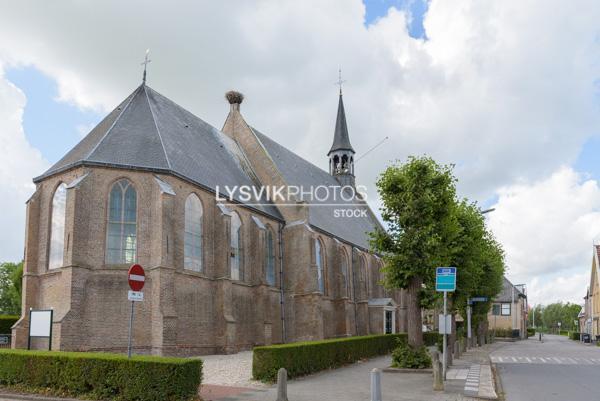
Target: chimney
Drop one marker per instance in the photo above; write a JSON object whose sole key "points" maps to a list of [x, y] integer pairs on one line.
{"points": [[235, 99]]}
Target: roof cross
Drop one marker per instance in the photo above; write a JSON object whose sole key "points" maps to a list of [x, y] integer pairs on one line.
{"points": [[340, 81], [145, 64]]}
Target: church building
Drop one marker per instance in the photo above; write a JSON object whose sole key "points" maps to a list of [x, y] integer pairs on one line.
{"points": [[225, 270]]}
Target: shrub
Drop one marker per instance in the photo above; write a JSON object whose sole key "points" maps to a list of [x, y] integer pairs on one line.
{"points": [[575, 335], [431, 338], [506, 333], [308, 357], [6, 322], [406, 356], [102, 376], [530, 332], [563, 333]]}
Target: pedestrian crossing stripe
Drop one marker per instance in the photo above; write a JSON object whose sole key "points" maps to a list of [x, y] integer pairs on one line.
{"points": [[545, 360]]}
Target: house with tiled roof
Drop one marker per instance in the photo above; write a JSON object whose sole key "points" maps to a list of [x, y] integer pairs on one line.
{"points": [[509, 310]]}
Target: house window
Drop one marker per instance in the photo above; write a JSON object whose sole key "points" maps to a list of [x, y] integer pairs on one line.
{"points": [[505, 309], [122, 224], [57, 231], [269, 258], [235, 247], [495, 309], [193, 234], [319, 264]]}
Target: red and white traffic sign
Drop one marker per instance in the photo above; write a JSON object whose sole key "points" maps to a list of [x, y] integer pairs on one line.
{"points": [[136, 277]]}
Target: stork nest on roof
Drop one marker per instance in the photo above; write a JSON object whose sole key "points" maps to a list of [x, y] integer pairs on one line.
{"points": [[234, 97]]}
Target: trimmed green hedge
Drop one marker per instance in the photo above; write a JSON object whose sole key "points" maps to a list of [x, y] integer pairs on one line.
{"points": [[530, 332], [575, 335], [431, 338], [102, 376], [506, 333], [304, 358], [6, 322]]}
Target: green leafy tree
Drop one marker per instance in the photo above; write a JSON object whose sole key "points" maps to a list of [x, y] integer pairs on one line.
{"points": [[549, 316], [419, 209], [11, 278], [480, 261]]}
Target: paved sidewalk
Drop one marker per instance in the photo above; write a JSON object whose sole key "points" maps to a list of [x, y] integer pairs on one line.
{"points": [[470, 376], [352, 383], [473, 373]]}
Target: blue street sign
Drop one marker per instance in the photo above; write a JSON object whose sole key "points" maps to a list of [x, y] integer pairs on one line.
{"points": [[445, 279], [478, 299]]}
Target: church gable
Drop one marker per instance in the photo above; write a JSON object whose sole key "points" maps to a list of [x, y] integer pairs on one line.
{"points": [[276, 165]]}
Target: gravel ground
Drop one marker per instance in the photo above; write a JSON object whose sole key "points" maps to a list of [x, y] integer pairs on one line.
{"points": [[229, 370]]}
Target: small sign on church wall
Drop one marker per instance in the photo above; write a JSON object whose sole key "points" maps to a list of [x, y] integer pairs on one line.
{"points": [[40, 325]]}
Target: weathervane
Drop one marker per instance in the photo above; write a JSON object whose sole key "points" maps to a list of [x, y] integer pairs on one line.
{"points": [[145, 64], [340, 81]]}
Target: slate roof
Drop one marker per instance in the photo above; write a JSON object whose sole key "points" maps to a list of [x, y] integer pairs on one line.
{"points": [[299, 172], [506, 295], [341, 139], [150, 132]]}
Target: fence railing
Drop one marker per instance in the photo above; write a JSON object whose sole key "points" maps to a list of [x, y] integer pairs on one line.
{"points": [[5, 340]]}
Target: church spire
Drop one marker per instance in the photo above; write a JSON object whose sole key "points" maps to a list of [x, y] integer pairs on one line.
{"points": [[341, 154], [341, 139]]}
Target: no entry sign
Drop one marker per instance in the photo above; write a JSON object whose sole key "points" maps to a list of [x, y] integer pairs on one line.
{"points": [[136, 277]]}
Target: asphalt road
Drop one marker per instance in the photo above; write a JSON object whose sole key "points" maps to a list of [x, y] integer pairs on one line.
{"points": [[557, 369]]}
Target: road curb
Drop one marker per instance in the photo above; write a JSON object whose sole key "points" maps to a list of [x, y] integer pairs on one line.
{"points": [[406, 370], [32, 397], [497, 381]]}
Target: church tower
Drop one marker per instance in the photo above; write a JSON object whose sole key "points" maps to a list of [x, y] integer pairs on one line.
{"points": [[341, 154]]}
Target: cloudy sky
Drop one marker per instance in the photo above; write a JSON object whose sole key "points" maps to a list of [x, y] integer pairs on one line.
{"points": [[508, 91]]}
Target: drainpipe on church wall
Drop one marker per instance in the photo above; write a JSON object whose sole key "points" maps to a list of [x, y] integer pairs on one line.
{"points": [[354, 291], [281, 290]]}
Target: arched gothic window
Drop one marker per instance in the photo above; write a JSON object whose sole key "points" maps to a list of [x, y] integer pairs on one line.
{"points": [[344, 275], [269, 257], [319, 263], [57, 231], [363, 279], [236, 248], [121, 243], [193, 234]]}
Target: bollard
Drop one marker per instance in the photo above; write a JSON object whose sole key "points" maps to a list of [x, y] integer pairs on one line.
{"points": [[376, 385], [438, 382], [456, 350], [282, 385]]}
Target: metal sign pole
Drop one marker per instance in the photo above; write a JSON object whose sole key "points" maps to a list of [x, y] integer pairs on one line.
{"points": [[445, 344], [469, 326], [130, 330]]}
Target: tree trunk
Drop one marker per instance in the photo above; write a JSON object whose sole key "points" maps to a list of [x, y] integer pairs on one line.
{"points": [[414, 321]]}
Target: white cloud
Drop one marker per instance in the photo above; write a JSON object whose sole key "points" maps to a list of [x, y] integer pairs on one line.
{"points": [[20, 162], [547, 290], [503, 89], [547, 228]]}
